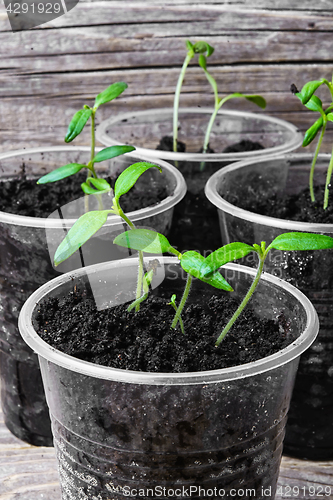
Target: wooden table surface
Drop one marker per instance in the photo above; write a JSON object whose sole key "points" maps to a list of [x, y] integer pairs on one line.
{"points": [[30, 473]]}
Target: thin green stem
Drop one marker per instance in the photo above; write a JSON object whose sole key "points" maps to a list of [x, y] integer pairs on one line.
{"points": [[182, 302], [314, 160], [188, 58], [245, 300], [180, 319], [328, 181], [209, 128]]}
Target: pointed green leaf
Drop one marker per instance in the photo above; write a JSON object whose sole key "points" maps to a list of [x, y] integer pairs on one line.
{"points": [[256, 99], [128, 177], [191, 262], [78, 122], [112, 152], [330, 117], [189, 45], [85, 227], [311, 133], [314, 104], [110, 93], [202, 62], [308, 90], [100, 184], [301, 241], [217, 281], [87, 189], [145, 240], [61, 173], [223, 255]]}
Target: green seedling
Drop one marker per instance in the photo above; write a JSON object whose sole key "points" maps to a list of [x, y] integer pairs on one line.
{"points": [[200, 47], [90, 222], [207, 269], [93, 184], [219, 101], [313, 103]]}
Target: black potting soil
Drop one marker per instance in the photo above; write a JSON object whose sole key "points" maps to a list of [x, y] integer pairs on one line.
{"points": [[297, 207], [144, 341], [24, 196]]}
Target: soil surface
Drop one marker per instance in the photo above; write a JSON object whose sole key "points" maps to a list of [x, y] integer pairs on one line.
{"points": [[143, 341], [24, 196], [291, 207]]}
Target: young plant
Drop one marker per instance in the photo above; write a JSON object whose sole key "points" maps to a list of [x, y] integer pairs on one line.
{"points": [[200, 47], [313, 103], [219, 101], [207, 269], [93, 184]]}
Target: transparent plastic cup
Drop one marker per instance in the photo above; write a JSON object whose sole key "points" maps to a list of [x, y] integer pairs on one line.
{"points": [[194, 216], [119, 431], [27, 246], [309, 432]]}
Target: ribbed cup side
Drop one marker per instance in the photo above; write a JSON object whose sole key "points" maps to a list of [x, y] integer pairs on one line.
{"points": [[93, 470], [309, 430]]}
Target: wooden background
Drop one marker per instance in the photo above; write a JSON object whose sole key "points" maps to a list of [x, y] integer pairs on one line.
{"points": [[49, 72]]}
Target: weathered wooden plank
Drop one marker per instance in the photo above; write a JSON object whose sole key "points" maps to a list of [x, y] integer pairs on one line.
{"points": [[117, 47]]}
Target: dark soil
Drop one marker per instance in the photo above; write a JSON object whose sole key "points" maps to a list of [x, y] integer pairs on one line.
{"points": [[143, 341], [24, 196], [297, 207]]}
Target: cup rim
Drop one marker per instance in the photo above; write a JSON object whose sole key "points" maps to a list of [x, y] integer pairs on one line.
{"points": [[295, 135], [286, 355], [143, 213], [214, 182]]}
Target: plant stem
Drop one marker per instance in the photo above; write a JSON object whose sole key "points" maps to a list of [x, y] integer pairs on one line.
{"points": [[245, 300], [209, 128], [314, 160], [328, 181], [182, 302], [188, 57], [141, 264]]}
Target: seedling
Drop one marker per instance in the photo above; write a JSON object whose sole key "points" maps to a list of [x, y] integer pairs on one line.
{"points": [[93, 184], [219, 101], [313, 103], [200, 47], [207, 269], [90, 222]]}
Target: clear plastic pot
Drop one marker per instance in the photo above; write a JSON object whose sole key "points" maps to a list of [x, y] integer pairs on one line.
{"points": [[144, 130], [27, 246], [119, 431], [309, 432]]}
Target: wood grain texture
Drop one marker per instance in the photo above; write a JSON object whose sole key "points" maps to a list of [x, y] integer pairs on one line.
{"points": [[30, 473], [261, 49]]}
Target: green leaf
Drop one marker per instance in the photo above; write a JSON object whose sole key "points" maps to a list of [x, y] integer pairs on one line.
{"points": [[256, 99], [61, 173], [145, 240], [308, 90], [314, 104], [100, 184], [201, 47], [128, 177], [189, 45], [217, 281], [110, 93], [330, 117], [112, 152], [221, 256], [301, 241], [202, 62], [78, 122], [87, 189], [85, 227], [192, 263], [311, 133]]}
